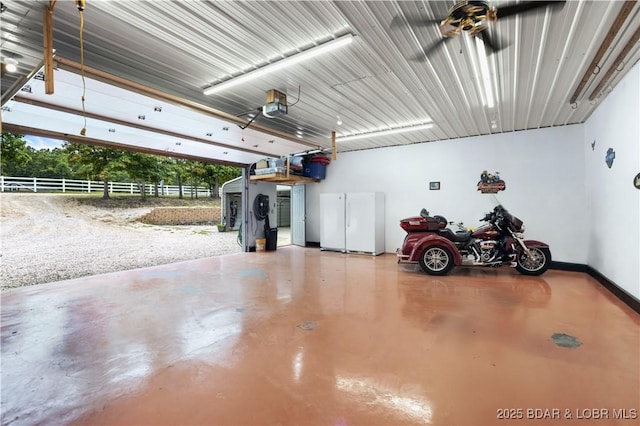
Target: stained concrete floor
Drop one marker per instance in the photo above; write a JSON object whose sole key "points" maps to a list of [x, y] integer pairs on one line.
{"points": [[304, 337]]}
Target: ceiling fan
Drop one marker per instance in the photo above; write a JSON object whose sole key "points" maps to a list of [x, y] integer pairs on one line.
{"points": [[473, 17]]}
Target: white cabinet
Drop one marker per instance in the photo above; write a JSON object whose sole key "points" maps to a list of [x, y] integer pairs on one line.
{"points": [[352, 222]]}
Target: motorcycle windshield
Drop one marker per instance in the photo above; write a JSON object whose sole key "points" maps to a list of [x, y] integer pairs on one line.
{"points": [[515, 224], [495, 203]]}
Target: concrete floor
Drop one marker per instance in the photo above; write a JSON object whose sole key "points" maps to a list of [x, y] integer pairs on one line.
{"points": [[303, 337], [284, 236]]}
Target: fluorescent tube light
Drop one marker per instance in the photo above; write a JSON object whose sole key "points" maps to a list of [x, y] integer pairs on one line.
{"points": [[288, 61], [476, 71], [484, 69], [384, 132]]}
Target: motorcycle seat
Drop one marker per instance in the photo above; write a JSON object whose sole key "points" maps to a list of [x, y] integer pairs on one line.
{"points": [[457, 237]]}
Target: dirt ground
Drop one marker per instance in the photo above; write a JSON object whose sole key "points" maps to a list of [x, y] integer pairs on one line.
{"points": [[53, 237]]}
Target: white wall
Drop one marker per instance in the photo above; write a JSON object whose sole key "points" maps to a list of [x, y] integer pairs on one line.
{"points": [[543, 170], [613, 203]]}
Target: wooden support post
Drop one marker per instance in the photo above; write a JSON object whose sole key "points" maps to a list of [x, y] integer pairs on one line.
{"points": [[48, 48], [287, 165], [334, 154]]}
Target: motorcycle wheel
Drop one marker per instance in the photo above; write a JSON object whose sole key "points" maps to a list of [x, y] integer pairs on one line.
{"points": [[536, 264], [436, 260]]}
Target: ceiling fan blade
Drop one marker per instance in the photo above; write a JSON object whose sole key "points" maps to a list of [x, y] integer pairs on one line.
{"points": [[492, 44], [428, 50], [524, 7], [400, 21]]}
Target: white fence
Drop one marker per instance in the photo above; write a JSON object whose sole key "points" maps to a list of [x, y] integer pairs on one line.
{"points": [[9, 183]]}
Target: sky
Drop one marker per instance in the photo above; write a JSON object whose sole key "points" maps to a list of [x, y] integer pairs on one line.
{"points": [[37, 142]]}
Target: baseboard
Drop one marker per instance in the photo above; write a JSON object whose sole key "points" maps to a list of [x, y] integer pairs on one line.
{"points": [[566, 266], [621, 294], [311, 244]]}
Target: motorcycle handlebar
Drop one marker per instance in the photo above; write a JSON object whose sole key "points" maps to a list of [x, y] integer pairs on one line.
{"points": [[491, 216]]}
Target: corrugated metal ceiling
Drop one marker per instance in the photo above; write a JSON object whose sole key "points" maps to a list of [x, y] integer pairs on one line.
{"points": [[182, 47]]}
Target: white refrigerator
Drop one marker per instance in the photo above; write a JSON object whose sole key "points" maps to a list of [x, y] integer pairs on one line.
{"points": [[352, 222]]}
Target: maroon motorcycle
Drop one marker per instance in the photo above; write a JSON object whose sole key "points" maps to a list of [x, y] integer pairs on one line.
{"points": [[498, 242]]}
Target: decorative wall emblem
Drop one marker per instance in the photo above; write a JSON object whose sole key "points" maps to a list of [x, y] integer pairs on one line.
{"points": [[491, 183], [611, 154], [636, 181]]}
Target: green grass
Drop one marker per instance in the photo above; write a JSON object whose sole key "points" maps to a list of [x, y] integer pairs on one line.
{"points": [[133, 201]]}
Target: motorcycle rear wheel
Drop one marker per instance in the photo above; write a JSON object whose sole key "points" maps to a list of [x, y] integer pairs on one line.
{"points": [[537, 264], [436, 260]]}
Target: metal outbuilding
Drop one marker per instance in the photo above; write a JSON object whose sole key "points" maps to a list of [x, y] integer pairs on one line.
{"points": [[231, 203]]}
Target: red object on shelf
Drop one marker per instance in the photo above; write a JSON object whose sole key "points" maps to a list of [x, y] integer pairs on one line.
{"points": [[320, 159]]}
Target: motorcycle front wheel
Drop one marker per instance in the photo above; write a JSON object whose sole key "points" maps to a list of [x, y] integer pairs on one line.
{"points": [[436, 260], [536, 264]]}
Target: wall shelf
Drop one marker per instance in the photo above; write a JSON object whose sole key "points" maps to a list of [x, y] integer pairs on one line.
{"points": [[285, 178]]}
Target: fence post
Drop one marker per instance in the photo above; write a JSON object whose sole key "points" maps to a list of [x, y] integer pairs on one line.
{"points": [[88, 186], [110, 187], [131, 188], [35, 184], [1, 183], [63, 185]]}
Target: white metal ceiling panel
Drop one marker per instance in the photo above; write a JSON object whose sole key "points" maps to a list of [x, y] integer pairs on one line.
{"points": [[382, 80]]}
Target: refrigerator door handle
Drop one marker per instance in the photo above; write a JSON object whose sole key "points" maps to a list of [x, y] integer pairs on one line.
{"points": [[348, 213]]}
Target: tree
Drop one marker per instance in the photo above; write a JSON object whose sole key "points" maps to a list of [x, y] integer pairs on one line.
{"points": [[48, 163], [197, 175], [145, 168], [215, 174], [177, 167], [162, 172], [82, 161], [97, 162], [14, 153]]}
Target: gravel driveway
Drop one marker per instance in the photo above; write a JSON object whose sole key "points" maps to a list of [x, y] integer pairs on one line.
{"points": [[51, 237]]}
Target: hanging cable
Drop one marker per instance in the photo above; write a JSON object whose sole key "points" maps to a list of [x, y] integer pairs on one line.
{"points": [[252, 119], [297, 100], [81, 4]]}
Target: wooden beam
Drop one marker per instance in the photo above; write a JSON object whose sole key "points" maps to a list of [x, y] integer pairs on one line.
{"points": [[614, 66], [17, 85], [48, 48], [613, 31], [334, 154]]}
